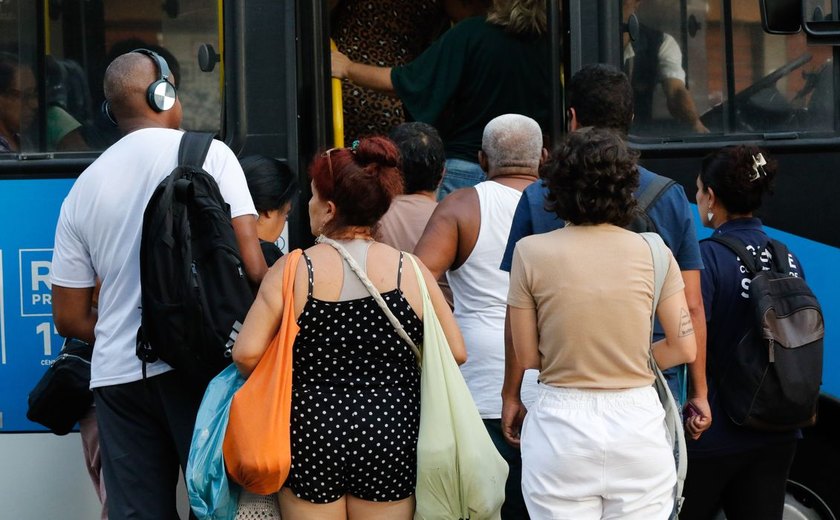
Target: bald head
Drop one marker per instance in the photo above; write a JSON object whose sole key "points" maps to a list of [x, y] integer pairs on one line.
{"points": [[512, 140], [126, 81]]}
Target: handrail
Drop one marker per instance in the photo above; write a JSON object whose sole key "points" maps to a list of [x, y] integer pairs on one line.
{"points": [[337, 108]]}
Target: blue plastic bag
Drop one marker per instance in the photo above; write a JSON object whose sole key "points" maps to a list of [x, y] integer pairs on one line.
{"points": [[211, 495]]}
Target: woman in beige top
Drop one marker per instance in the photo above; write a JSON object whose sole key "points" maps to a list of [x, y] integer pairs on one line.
{"points": [[594, 445]]}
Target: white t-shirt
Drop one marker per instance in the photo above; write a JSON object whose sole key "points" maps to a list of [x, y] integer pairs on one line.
{"points": [[669, 56], [480, 291], [98, 235]]}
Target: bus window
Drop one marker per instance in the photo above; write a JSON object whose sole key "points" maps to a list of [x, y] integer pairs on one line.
{"points": [[61, 110], [19, 93], [706, 66]]}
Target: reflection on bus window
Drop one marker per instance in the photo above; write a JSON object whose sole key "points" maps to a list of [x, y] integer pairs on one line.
{"points": [[654, 63], [776, 83], [50, 102], [18, 102]]}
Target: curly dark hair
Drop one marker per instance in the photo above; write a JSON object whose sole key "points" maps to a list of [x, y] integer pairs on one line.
{"points": [[729, 173], [591, 178]]}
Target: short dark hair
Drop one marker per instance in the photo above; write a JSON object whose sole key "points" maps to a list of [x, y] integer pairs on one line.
{"points": [[591, 178], [729, 172], [602, 96], [361, 181], [131, 44], [422, 157], [272, 183]]}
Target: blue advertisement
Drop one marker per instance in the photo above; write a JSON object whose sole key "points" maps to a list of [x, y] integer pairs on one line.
{"points": [[28, 340]]}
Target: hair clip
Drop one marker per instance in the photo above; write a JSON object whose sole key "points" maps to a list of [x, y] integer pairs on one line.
{"points": [[758, 167], [354, 146]]}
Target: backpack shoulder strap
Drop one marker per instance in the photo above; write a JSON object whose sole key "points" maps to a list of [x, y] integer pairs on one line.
{"points": [[194, 148], [653, 191], [780, 255], [740, 250]]}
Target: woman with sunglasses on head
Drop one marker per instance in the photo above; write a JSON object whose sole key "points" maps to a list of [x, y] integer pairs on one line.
{"points": [[273, 188], [356, 383], [741, 470]]}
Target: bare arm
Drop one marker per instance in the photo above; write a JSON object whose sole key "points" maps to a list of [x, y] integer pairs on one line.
{"points": [[438, 246], [245, 228], [368, 76], [444, 315], [698, 390], [513, 411], [523, 328], [681, 105], [679, 345], [262, 322], [73, 312]]}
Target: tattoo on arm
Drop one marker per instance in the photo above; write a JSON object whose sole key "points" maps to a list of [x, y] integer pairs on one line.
{"points": [[686, 328]]}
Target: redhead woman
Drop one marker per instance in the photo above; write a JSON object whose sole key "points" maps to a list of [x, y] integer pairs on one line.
{"points": [[356, 383]]}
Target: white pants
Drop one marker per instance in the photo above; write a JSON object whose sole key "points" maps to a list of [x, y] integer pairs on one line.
{"points": [[590, 454]]}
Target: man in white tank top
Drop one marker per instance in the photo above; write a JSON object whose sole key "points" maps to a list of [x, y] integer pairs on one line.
{"points": [[465, 238]]}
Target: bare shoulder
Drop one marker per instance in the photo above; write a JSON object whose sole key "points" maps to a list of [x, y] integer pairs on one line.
{"points": [[459, 203]]}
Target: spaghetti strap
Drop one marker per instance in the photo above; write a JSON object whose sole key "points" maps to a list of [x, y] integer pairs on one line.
{"points": [[309, 275], [399, 270]]}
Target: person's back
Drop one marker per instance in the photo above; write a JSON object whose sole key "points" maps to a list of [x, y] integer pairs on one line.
{"points": [[669, 213], [601, 96], [377, 37], [145, 417], [105, 209], [481, 68], [479, 289], [355, 390], [422, 166], [580, 306], [739, 469], [486, 59], [465, 238]]}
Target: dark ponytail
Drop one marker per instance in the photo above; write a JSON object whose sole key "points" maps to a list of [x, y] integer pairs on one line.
{"points": [[737, 178]]}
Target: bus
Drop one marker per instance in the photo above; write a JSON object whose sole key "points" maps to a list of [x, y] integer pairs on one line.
{"points": [[256, 72]]}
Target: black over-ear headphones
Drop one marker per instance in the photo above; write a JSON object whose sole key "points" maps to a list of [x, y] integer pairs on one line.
{"points": [[160, 95]]}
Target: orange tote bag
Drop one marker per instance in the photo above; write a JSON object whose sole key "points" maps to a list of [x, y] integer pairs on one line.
{"points": [[257, 445]]}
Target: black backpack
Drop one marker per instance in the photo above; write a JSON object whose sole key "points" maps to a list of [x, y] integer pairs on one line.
{"points": [[642, 223], [195, 294], [772, 378]]}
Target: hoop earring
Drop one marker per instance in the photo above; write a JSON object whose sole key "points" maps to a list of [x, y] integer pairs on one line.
{"points": [[282, 242]]}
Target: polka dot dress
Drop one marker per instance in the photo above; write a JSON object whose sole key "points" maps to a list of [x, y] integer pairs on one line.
{"points": [[355, 400]]}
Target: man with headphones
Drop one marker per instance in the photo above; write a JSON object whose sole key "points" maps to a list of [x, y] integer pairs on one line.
{"points": [[145, 423]]}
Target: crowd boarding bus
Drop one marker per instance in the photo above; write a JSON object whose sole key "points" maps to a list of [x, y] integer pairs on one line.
{"points": [[256, 72]]}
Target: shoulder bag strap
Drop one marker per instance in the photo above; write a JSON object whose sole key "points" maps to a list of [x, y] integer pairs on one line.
{"points": [[354, 266], [673, 420], [660, 268]]}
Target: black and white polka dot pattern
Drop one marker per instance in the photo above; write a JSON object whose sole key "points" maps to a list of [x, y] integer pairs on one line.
{"points": [[355, 400]]}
